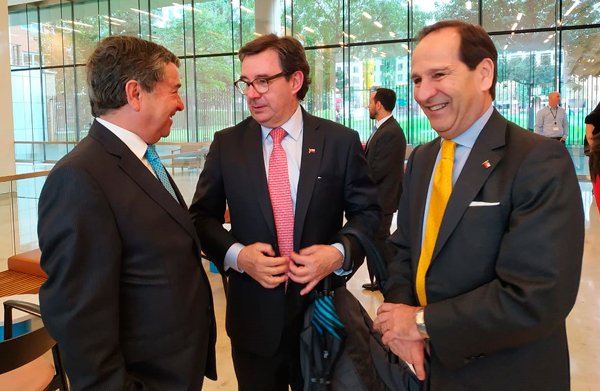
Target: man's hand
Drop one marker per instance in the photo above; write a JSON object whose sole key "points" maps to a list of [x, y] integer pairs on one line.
{"points": [[397, 321], [413, 352], [260, 262], [397, 324], [314, 263]]}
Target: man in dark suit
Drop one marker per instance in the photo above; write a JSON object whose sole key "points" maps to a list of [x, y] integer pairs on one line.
{"points": [[385, 151], [127, 298], [487, 295], [284, 233]]}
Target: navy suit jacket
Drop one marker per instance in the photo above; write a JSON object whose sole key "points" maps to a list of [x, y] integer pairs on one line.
{"points": [[506, 265], [333, 181], [127, 298]]}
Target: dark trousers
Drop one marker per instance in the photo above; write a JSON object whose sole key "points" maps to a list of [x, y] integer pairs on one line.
{"points": [[255, 372], [379, 240]]}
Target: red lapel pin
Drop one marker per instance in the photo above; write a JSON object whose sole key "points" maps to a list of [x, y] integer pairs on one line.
{"points": [[311, 150], [486, 164]]}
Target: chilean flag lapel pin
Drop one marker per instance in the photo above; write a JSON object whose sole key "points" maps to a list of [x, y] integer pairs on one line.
{"points": [[486, 164], [312, 150]]}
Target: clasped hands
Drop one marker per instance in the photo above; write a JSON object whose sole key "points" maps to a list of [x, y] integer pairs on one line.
{"points": [[396, 322], [308, 266]]}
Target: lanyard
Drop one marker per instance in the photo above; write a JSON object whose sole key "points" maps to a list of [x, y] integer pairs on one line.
{"points": [[553, 115]]}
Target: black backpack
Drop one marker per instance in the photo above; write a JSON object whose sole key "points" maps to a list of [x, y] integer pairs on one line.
{"points": [[350, 357]]}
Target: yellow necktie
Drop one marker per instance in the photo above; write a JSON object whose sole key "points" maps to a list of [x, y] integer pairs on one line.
{"points": [[440, 193]]}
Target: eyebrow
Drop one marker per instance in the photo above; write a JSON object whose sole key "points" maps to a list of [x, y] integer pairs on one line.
{"points": [[432, 71], [259, 76]]}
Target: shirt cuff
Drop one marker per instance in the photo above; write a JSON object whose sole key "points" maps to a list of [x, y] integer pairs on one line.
{"points": [[341, 272], [231, 257]]}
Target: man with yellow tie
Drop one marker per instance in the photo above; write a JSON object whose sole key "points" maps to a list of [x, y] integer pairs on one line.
{"points": [[489, 242]]}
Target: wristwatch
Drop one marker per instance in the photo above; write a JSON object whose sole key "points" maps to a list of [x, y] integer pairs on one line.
{"points": [[420, 320]]}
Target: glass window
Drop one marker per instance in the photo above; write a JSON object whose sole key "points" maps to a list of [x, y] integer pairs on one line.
{"points": [[377, 20], [526, 74], [212, 26], [518, 15], [580, 93], [426, 12], [580, 12], [55, 37], [352, 46], [377, 66], [318, 23], [323, 98]]}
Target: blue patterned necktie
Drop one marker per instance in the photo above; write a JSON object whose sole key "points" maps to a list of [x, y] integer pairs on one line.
{"points": [[159, 169]]}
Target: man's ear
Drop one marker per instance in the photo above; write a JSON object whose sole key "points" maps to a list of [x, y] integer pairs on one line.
{"points": [[133, 91], [297, 79], [486, 73]]}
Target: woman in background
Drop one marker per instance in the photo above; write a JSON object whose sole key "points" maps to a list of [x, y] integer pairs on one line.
{"points": [[592, 134]]}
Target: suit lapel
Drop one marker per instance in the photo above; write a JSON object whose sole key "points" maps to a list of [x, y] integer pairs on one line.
{"points": [[378, 133], [313, 142], [482, 161], [139, 174], [255, 164]]}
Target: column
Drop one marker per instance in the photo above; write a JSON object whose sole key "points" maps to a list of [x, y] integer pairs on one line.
{"points": [[7, 135]]}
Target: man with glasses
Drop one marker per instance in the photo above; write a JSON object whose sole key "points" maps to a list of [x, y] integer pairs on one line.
{"points": [[288, 178]]}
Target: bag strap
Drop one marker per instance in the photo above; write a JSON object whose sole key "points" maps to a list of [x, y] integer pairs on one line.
{"points": [[371, 252]]}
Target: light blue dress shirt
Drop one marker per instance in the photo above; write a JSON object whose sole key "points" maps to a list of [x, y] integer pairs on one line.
{"points": [[551, 122]]}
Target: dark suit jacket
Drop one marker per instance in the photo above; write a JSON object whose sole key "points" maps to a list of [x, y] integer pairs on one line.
{"points": [[127, 298], [503, 276], [333, 180], [385, 156]]}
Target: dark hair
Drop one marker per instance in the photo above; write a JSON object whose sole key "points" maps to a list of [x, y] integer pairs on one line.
{"points": [[386, 97], [475, 45], [119, 59], [291, 54], [596, 109]]}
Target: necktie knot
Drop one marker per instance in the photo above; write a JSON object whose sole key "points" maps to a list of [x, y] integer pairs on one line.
{"points": [[277, 135], [448, 148], [151, 154]]}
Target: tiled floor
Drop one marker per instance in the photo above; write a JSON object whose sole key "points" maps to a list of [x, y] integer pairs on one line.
{"points": [[583, 322]]}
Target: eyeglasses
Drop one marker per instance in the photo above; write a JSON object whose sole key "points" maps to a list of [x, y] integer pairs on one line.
{"points": [[260, 84]]}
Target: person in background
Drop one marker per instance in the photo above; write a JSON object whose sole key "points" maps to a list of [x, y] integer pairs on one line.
{"points": [[385, 151], [551, 121], [127, 298], [288, 178], [490, 234], [592, 135]]}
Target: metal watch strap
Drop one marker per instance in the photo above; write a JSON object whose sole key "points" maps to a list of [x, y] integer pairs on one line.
{"points": [[420, 320]]}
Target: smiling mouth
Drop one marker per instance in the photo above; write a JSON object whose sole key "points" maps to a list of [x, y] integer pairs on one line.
{"points": [[438, 107]]}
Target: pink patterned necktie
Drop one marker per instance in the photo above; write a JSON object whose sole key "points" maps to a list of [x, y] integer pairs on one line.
{"points": [[281, 195]]}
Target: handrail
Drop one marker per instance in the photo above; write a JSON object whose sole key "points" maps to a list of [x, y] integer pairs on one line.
{"points": [[16, 177]]}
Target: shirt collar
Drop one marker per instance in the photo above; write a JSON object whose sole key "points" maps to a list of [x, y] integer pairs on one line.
{"points": [[132, 140], [292, 126], [381, 121], [468, 138]]}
